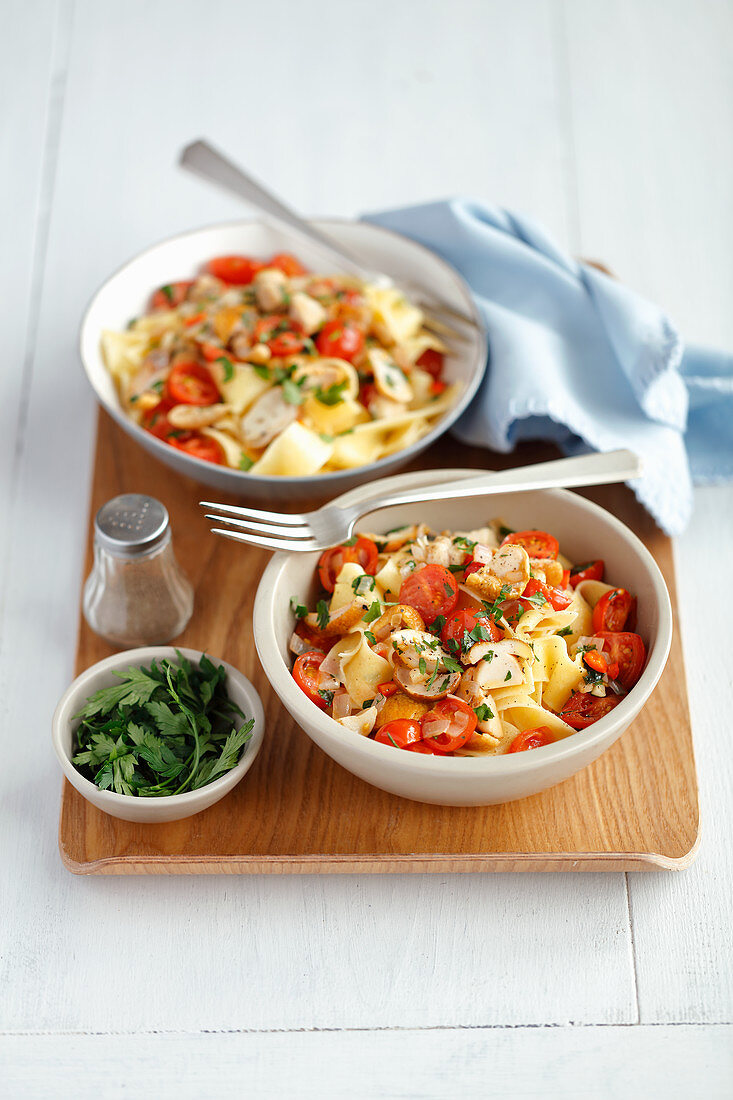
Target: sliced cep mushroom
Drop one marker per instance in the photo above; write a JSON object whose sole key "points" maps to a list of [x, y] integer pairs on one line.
{"points": [[498, 663], [400, 705], [419, 663], [362, 723], [548, 570], [388, 378], [322, 373], [197, 416], [306, 312], [477, 695], [271, 289], [270, 415], [443, 684], [341, 622], [508, 569], [398, 617]]}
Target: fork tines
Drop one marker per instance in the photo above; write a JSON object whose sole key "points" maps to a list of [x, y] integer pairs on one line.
{"points": [[257, 527]]}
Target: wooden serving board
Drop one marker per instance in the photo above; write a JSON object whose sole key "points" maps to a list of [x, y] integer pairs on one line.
{"points": [[296, 811]]}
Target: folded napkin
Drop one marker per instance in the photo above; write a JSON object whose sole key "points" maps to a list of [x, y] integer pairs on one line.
{"points": [[579, 359]]}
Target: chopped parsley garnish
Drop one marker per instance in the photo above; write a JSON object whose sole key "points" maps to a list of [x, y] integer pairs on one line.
{"points": [[373, 613], [293, 392], [327, 695], [298, 610], [227, 366], [168, 291], [449, 589], [370, 637], [422, 666], [565, 631], [363, 584], [437, 624], [508, 676], [262, 371], [333, 395], [462, 541], [452, 665], [504, 532], [323, 615], [245, 462], [483, 712]]}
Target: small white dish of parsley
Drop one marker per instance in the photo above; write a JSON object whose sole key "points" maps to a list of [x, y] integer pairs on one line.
{"points": [[157, 734]]}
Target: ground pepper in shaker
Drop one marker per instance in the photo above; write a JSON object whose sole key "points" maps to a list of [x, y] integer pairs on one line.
{"points": [[136, 594]]}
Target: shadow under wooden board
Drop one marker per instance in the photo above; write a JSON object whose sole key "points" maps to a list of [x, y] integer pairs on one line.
{"points": [[635, 808]]}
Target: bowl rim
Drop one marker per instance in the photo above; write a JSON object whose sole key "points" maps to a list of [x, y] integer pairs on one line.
{"points": [[371, 469], [140, 655], [505, 764]]}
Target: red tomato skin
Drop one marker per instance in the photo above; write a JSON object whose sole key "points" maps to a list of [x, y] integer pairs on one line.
{"points": [[446, 743], [554, 596], [189, 383], [235, 270], [590, 571], [305, 672], [532, 739], [340, 340], [628, 651], [400, 733], [287, 263], [178, 293], [582, 710], [387, 689], [332, 560], [282, 343], [431, 590], [472, 567], [612, 611], [462, 622], [538, 544], [199, 446], [432, 362]]}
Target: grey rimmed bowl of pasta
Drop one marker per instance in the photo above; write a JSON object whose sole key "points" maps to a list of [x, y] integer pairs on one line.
{"points": [[235, 355], [467, 652]]}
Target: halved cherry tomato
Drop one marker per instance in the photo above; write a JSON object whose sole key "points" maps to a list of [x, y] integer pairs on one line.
{"points": [[583, 709], [554, 596], [596, 660], [630, 623], [277, 331], [236, 270], [340, 340], [189, 383], [212, 352], [461, 623], [367, 392], [171, 295], [305, 674], [538, 544], [400, 733], [431, 590], [612, 611], [628, 652], [423, 747], [387, 689], [437, 387], [565, 578], [431, 361], [588, 571], [462, 724], [156, 420], [199, 446], [287, 263], [333, 560], [532, 739], [472, 567]]}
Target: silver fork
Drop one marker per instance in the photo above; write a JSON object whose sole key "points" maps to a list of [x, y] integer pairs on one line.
{"points": [[334, 523], [205, 161]]}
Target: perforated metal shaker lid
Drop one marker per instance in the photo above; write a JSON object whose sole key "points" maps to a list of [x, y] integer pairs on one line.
{"points": [[131, 524]]}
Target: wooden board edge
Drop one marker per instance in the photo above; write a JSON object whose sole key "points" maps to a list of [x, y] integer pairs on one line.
{"points": [[378, 863]]}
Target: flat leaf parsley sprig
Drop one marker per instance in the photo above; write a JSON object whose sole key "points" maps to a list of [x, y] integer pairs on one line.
{"points": [[162, 730]]}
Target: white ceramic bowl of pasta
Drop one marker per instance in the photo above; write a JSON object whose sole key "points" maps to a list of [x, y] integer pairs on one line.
{"points": [[585, 531], [127, 292]]}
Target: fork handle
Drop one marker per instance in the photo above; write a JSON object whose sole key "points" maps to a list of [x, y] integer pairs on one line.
{"points": [[566, 473], [204, 160]]}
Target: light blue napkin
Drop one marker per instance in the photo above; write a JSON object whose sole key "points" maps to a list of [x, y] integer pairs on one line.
{"points": [[579, 359]]}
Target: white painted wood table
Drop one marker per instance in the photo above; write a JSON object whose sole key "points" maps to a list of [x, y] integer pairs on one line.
{"points": [[611, 123]]}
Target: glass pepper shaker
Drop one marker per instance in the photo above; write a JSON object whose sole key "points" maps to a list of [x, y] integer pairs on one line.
{"points": [[136, 594]]}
